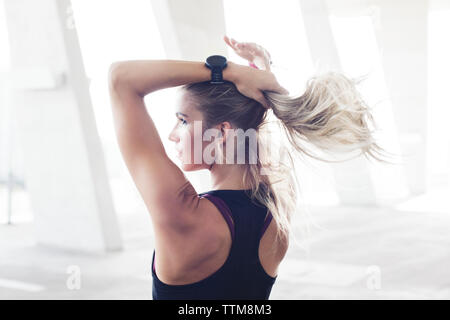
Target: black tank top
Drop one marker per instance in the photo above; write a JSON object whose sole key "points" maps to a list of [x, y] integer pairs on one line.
{"points": [[242, 275]]}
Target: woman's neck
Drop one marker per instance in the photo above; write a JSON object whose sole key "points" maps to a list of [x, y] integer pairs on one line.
{"points": [[227, 176]]}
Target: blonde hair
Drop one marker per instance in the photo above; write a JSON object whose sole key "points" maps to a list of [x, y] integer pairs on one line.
{"points": [[330, 115]]}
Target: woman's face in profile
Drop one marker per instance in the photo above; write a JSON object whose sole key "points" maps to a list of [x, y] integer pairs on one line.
{"points": [[187, 134]]}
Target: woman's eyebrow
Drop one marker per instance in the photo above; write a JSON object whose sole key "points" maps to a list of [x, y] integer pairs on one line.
{"points": [[182, 114]]}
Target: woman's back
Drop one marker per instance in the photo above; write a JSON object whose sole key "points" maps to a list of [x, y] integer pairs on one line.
{"points": [[243, 267]]}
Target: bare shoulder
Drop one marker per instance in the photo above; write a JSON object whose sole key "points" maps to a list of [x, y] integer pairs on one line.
{"points": [[270, 259], [178, 250]]}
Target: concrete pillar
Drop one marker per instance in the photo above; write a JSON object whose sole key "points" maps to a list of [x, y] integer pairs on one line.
{"points": [[191, 28], [64, 166], [402, 39]]}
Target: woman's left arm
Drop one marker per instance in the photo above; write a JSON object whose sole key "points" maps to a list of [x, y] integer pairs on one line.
{"points": [[162, 185]]}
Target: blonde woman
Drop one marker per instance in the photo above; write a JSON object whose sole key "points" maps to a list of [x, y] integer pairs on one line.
{"points": [[226, 243]]}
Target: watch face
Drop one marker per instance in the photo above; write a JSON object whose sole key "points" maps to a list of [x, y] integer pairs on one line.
{"points": [[216, 61]]}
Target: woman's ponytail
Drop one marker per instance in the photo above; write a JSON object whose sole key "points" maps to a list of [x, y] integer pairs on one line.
{"points": [[330, 114]]}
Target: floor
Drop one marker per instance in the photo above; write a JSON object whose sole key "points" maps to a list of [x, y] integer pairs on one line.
{"points": [[352, 253]]}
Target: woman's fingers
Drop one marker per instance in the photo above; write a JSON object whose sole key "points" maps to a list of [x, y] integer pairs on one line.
{"points": [[251, 48], [262, 100], [229, 42], [284, 91], [236, 46], [281, 90]]}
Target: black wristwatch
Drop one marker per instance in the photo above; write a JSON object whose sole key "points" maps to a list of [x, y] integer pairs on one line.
{"points": [[216, 64]]}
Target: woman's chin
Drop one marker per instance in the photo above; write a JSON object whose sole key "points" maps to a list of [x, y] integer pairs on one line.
{"points": [[191, 167], [187, 167]]}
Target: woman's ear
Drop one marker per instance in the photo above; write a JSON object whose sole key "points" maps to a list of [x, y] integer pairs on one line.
{"points": [[224, 129]]}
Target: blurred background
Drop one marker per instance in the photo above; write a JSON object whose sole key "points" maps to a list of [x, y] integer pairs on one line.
{"points": [[72, 224]]}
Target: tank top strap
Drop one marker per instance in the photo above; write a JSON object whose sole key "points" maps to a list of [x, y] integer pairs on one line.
{"points": [[267, 221], [224, 210]]}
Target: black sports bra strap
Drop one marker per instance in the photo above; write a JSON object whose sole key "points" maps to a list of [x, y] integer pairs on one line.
{"points": [[224, 210], [266, 224]]}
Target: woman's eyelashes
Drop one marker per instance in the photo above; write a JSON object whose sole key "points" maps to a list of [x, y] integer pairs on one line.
{"points": [[184, 122]]}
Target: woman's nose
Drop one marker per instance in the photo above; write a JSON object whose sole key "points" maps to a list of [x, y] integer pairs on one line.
{"points": [[173, 137]]}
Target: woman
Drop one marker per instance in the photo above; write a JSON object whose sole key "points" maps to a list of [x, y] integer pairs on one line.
{"points": [[226, 243]]}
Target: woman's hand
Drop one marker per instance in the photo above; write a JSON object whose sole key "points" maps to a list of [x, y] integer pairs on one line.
{"points": [[252, 82], [252, 52]]}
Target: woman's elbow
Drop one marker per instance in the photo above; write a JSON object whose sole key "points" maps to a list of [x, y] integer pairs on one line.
{"points": [[116, 75]]}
